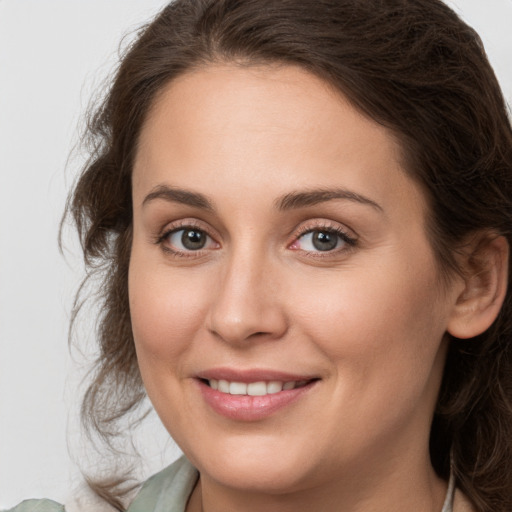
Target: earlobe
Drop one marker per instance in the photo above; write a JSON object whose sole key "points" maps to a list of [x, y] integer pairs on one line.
{"points": [[485, 275]]}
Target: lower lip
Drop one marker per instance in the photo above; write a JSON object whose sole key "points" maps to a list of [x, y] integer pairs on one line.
{"points": [[251, 408]]}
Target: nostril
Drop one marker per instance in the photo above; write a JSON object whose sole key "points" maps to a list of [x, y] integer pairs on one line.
{"points": [[237, 319]]}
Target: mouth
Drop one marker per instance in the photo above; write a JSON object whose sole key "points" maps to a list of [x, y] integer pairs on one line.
{"points": [[260, 388], [253, 396]]}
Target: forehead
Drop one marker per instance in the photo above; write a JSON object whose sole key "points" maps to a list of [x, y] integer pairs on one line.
{"points": [[279, 125]]}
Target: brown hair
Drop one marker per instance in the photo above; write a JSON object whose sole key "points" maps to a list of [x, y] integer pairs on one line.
{"points": [[412, 66]]}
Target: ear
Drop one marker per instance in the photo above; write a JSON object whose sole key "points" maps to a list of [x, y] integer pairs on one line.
{"points": [[485, 276]]}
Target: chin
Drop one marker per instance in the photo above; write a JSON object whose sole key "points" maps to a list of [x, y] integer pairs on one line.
{"points": [[258, 467]]}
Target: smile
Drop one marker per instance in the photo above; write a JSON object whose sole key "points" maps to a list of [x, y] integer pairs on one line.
{"points": [[261, 388], [252, 395]]}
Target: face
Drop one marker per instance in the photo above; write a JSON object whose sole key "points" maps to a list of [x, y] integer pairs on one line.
{"points": [[285, 301]]}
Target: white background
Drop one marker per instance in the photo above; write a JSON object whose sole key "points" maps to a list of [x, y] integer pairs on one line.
{"points": [[53, 54]]}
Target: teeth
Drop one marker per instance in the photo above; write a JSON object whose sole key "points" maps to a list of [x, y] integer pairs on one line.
{"points": [[274, 387], [237, 388], [257, 389], [254, 388], [223, 386]]}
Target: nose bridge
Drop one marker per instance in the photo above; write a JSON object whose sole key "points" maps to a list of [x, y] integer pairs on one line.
{"points": [[246, 305]]}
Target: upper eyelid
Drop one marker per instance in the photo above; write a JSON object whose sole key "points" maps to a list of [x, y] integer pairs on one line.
{"points": [[181, 224], [343, 232], [184, 224], [188, 228], [340, 233], [303, 228], [175, 251], [323, 224], [312, 229]]}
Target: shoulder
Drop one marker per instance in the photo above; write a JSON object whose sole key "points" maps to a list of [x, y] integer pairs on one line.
{"points": [[461, 503], [456, 500], [83, 500], [167, 491], [37, 506]]}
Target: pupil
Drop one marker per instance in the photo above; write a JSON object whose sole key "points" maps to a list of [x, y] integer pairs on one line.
{"points": [[193, 240], [324, 241]]}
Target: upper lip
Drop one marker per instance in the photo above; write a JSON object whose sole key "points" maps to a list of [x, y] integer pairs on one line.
{"points": [[252, 375]]}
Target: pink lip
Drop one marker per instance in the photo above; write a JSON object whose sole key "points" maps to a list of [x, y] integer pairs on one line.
{"points": [[252, 375], [251, 408]]}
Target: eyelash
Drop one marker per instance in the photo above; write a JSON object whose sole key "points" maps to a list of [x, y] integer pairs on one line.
{"points": [[350, 241], [187, 226]]}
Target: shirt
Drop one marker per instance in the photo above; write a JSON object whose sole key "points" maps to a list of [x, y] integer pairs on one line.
{"points": [[169, 490]]}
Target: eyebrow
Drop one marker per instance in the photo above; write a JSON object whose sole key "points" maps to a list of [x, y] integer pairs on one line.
{"points": [[291, 201], [178, 195], [296, 200]]}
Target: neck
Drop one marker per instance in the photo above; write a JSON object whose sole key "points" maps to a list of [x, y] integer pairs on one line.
{"points": [[402, 488]]}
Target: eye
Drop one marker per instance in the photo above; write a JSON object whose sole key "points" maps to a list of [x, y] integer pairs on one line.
{"points": [[323, 240], [187, 239]]}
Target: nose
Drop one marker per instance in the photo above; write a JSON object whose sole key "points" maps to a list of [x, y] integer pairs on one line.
{"points": [[246, 305]]}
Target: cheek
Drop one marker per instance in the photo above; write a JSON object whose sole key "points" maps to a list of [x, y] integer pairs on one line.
{"points": [[166, 311], [378, 326]]}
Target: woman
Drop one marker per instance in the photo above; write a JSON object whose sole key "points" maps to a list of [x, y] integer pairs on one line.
{"points": [[302, 210]]}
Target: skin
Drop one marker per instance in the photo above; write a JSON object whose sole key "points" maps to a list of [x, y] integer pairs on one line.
{"points": [[368, 319]]}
